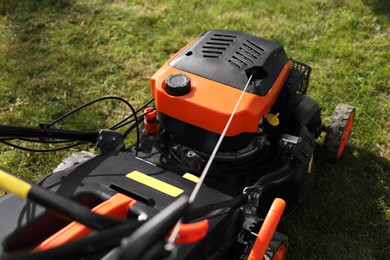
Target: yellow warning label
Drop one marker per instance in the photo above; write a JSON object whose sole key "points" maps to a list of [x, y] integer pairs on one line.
{"points": [[191, 177], [155, 183]]}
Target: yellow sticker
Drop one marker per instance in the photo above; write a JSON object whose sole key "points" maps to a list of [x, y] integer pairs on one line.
{"points": [[155, 183], [191, 177]]}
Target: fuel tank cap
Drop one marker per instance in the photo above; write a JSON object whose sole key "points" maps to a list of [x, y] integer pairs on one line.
{"points": [[177, 85]]}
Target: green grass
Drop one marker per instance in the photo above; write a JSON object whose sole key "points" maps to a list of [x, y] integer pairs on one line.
{"points": [[55, 55]]}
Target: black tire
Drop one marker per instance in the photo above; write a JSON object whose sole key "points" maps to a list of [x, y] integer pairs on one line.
{"points": [[339, 130], [277, 248]]}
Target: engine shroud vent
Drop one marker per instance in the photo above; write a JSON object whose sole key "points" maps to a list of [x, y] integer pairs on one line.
{"points": [[230, 57], [217, 45]]}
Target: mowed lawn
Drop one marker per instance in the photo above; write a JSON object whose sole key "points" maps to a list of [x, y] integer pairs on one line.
{"points": [[56, 55]]}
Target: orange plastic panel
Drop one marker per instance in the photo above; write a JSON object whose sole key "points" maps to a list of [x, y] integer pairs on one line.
{"points": [[117, 206], [210, 104]]}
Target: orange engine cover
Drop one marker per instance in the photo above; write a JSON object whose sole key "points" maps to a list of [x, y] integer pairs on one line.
{"points": [[217, 66]]}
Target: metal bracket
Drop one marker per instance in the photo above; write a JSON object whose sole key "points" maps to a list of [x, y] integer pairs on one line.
{"points": [[246, 237], [289, 142], [250, 209]]}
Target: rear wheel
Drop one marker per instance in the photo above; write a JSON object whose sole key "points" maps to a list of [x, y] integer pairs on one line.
{"points": [[339, 130]]}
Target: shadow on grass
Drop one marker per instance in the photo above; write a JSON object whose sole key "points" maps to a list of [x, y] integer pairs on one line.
{"points": [[380, 7], [347, 214]]}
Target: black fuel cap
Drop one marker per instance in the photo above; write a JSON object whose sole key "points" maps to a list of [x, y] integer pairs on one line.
{"points": [[177, 85]]}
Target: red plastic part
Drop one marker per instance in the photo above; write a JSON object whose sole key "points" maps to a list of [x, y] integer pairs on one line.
{"points": [[151, 114], [192, 232], [267, 230], [150, 120], [117, 206]]}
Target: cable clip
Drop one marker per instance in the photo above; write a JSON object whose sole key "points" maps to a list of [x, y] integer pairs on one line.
{"points": [[47, 128]]}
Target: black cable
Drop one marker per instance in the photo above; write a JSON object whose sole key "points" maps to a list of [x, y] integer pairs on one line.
{"points": [[216, 209], [41, 141], [85, 105], [116, 126], [7, 139], [130, 128], [122, 123], [140, 118], [134, 113], [45, 150]]}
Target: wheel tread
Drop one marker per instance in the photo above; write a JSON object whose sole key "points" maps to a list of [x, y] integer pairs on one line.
{"points": [[336, 129]]}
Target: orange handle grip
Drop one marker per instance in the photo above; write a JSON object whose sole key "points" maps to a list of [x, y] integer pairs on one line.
{"points": [[267, 230]]}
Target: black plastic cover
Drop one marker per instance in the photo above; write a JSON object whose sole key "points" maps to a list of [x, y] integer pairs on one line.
{"points": [[308, 114], [230, 57], [99, 178]]}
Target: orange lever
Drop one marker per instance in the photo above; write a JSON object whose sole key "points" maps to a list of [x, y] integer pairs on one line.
{"points": [[192, 232], [117, 206], [267, 230]]}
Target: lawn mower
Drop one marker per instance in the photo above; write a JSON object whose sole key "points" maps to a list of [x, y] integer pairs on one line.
{"points": [[223, 152]]}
